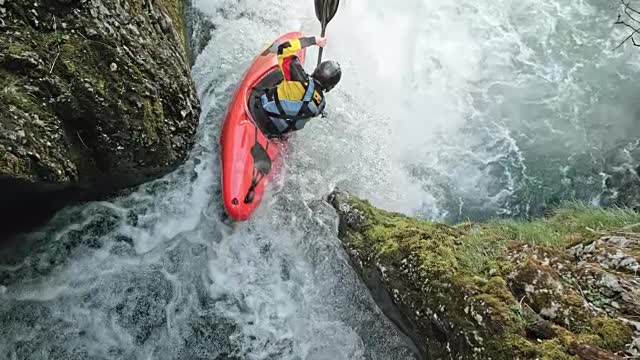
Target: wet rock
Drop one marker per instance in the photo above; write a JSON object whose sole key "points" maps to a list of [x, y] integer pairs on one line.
{"points": [[199, 28], [73, 84], [622, 185], [477, 291], [352, 217]]}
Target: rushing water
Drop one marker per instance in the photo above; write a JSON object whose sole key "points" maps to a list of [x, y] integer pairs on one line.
{"points": [[495, 107], [447, 109]]}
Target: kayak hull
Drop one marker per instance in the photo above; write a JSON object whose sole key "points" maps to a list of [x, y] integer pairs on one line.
{"points": [[240, 138]]}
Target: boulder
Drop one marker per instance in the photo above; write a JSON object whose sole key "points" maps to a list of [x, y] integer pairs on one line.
{"points": [[94, 87], [559, 288]]}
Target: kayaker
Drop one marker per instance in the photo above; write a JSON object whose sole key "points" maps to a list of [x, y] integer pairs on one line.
{"points": [[300, 97]]}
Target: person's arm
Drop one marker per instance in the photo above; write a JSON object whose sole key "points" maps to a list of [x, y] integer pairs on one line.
{"points": [[287, 53]]}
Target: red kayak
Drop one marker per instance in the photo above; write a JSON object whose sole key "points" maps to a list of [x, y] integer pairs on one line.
{"points": [[249, 158]]}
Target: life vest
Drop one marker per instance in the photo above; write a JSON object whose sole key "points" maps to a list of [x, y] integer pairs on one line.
{"points": [[291, 115]]}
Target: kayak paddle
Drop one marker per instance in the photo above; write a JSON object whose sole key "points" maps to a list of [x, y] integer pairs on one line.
{"points": [[325, 11]]}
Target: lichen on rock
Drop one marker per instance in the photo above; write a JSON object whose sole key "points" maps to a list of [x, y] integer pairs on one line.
{"points": [[94, 87], [565, 287]]}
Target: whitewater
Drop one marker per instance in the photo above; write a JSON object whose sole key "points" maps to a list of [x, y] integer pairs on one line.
{"points": [[447, 110]]}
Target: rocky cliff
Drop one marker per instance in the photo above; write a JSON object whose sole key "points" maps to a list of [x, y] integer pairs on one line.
{"points": [[566, 287], [94, 87]]}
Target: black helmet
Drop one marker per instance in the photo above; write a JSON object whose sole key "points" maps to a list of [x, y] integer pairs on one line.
{"points": [[327, 74]]}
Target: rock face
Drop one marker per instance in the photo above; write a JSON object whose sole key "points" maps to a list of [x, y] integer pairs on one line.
{"points": [[562, 288], [199, 27], [623, 188], [94, 87], [622, 182]]}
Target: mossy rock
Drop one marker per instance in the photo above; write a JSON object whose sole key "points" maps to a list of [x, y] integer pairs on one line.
{"points": [[95, 88], [614, 333], [523, 302]]}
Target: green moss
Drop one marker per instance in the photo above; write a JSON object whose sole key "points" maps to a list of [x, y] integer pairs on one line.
{"points": [[18, 48], [153, 119], [176, 11], [614, 333], [517, 347], [97, 57], [514, 347], [497, 287], [389, 250], [13, 93], [499, 314], [433, 245], [553, 350], [501, 308], [355, 240], [392, 235], [558, 348]]}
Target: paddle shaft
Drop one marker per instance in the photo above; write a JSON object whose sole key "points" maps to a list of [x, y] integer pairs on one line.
{"points": [[324, 30]]}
